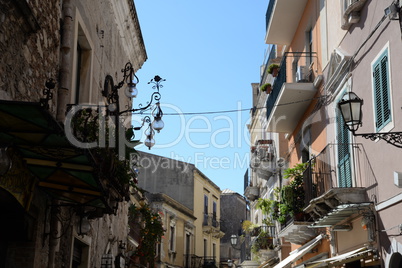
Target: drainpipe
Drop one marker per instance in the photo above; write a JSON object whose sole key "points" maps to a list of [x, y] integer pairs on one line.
{"points": [[63, 94]]}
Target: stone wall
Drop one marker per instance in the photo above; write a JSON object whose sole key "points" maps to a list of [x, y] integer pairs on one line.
{"points": [[30, 53], [28, 50]]}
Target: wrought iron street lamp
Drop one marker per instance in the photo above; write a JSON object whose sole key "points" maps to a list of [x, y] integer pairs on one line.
{"points": [[350, 107], [130, 80]]}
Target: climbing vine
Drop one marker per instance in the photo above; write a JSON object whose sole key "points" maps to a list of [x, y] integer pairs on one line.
{"points": [[151, 233]]}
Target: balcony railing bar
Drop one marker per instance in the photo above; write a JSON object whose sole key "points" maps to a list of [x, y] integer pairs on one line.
{"points": [[272, 55], [210, 220], [269, 12], [281, 78], [192, 261], [322, 173]]}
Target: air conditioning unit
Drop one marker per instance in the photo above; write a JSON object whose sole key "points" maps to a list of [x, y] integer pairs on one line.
{"points": [[302, 74]]}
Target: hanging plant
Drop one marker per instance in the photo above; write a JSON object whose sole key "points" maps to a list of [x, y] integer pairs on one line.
{"points": [[151, 233], [273, 69], [267, 88]]}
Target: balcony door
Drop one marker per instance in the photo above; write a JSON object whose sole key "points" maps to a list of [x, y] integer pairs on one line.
{"points": [[343, 152]]}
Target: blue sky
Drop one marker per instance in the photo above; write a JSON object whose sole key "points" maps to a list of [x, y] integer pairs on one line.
{"points": [[209, 52]]}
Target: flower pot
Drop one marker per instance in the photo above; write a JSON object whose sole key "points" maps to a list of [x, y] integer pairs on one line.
{"points": [[268, 90], [275, 72]]}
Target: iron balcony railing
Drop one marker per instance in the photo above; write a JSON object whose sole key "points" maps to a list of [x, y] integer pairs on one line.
{"points": [[209, 262], [210, 220], [282, 78], [272, 56], [193, 261], [269, 12], [325, 170], [246, 179]]}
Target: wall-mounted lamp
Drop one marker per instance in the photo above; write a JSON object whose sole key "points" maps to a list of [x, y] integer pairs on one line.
{"points": [[351, 110], [83, 226], [131, 91], [107, 261], [129, 82], [234, 241]]}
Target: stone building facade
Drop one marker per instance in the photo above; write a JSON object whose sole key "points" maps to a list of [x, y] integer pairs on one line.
{"points": [[51, 191], [234, 212], [185, 184]]}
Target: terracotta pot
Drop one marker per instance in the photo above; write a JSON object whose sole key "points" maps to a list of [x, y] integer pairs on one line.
{"points": [[275, 72]]}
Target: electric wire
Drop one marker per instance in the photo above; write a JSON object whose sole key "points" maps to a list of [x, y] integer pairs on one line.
{"points": [[236, 110]]}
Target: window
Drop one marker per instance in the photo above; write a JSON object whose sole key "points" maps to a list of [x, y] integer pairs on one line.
{"points": [[187, 250], [205, 204], [205, 248], [80, 254], [214, 220], [172, 238], [381, 86], [344, 161], [83, 60], [309, 45]]}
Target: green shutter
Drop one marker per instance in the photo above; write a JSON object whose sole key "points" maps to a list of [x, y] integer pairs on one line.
{"points": [[344, 167], [381, 92]]}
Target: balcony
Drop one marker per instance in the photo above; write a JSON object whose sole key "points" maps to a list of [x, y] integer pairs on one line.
{"points": [[282, 19], [209, 262], [252, 192], [211, 225], [192, 261], [263, 244], [331, 201], [272, 58], [263, 158], [290, 98], [297, 230]]}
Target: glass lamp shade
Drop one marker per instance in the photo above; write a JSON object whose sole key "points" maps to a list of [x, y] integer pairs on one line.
{"points": [[131, 90], [83, 226], [158, 124], [149, 142], [233, 240], [351, 110]]}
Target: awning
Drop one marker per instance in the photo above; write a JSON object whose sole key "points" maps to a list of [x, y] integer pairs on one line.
{"points": [[300, 252], [341, 259], [269, 263], [64, 171], [340, 213]]}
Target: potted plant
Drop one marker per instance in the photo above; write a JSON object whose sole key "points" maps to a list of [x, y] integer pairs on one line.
{"points": [[267, 88], [273, 69], [289, 200]]}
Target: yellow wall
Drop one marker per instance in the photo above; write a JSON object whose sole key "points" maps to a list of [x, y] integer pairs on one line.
{"points": [[203, 186]]}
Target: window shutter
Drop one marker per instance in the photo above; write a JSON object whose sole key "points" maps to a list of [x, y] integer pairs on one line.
{"points": [[381, 92], [344, 167]]}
